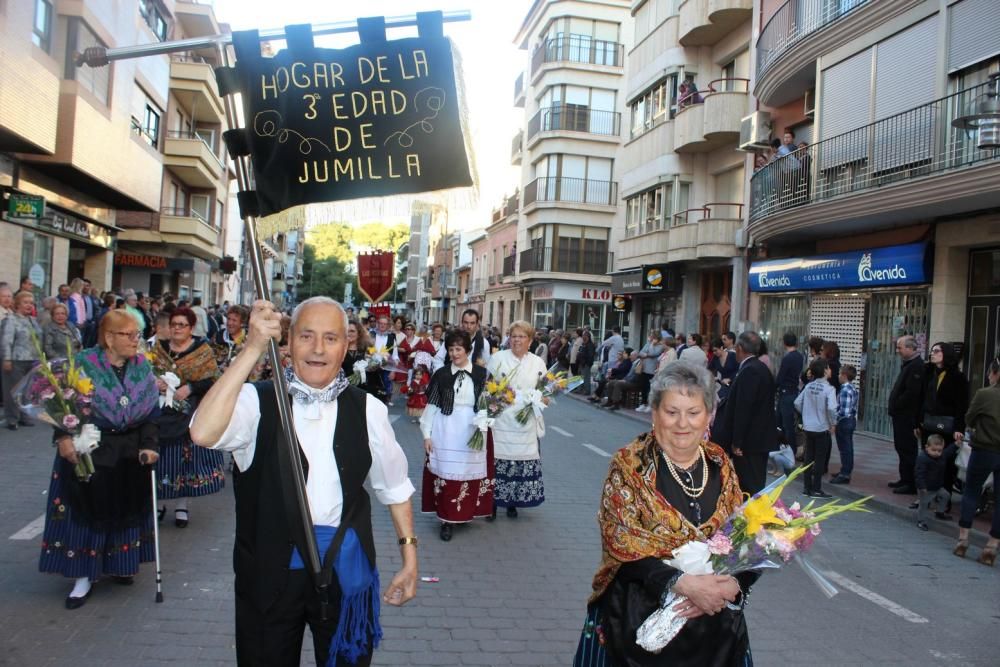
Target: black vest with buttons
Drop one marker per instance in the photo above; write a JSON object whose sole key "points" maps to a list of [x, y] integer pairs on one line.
{"points": [[264, 533]]}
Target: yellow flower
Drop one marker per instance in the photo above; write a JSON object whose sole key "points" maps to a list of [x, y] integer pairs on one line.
{"points": [[492, 387], [791, 534], [85, 386], [760, 512], [509, 394], [371, 350]]}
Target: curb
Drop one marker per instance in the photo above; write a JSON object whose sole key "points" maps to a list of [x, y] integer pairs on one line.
{"points": [[947, 528]]}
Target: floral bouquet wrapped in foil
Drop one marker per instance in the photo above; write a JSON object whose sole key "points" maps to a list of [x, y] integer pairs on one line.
{"points": [[762, 533]]}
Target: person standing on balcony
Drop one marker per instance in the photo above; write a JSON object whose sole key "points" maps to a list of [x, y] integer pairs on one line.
{"points": [[905, 404]]}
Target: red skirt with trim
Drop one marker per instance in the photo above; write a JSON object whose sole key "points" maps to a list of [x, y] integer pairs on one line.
{"points": [[457, 501]]}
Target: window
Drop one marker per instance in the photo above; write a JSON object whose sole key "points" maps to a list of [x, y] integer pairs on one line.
{"points": [[96, 80], [653, 209], [151, 125], [154, 18], [200, 205], [41, 32], [654, 106], [729, 74]]}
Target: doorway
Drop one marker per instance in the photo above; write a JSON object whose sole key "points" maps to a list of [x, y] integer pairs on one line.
{"points": [[982, 315]]}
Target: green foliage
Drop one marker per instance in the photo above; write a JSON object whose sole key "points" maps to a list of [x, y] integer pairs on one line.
{"points": [[330, 258], [325, 277]]}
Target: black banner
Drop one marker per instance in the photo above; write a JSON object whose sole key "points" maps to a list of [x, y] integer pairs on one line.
{"points": [[660, 278], [376, 119]]}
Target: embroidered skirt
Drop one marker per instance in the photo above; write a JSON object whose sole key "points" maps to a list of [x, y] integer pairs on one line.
{"points": [[519, 483], [457, 500], [73, 548], [186, 470]]}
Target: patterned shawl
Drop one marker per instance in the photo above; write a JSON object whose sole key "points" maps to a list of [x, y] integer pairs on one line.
{"points": [[198, 363], [120, 404], [637, 522]]}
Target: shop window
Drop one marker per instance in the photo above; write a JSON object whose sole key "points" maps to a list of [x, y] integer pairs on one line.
{"points": [[36, 260], [95, 80], [41, 32]]}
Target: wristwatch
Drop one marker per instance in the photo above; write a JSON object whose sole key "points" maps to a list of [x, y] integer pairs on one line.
{"points": [[407, 540]]}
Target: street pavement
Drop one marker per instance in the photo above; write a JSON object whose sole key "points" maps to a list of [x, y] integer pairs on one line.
{"points": [[510, 593]]}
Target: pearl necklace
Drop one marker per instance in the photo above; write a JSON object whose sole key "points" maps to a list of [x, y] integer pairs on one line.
{"points": [[691, 491]]}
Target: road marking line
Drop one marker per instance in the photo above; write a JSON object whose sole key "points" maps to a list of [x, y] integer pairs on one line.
{"points": [[561, 431], [31, 531], [393, 418], [596, 450], [874, 597]]}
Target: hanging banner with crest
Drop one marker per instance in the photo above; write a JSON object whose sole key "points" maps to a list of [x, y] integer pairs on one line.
{"points": [[376, 274], [379, 118]]}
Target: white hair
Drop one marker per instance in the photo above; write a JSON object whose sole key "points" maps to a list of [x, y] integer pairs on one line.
{"points": [[318, 300]]}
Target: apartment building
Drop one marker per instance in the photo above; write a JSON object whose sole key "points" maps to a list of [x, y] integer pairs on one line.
{"points": [[503, 292], [887, 222], [113, 173], [478, 274], [568, 152], [677, 260]]}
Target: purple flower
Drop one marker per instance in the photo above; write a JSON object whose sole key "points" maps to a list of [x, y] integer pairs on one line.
{"points": [[71, 421]]}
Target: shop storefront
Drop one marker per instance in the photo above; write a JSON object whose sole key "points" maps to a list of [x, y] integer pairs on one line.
{"points": [[155, 275], [570, 306], [52, 246], [652, 293], [863, 299]]}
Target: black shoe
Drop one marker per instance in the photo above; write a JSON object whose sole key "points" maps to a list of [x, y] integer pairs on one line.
{"points": [[594, 399], [898, 482], [923, 526], [493, 514], [840, 479], [914, 505], [820, 495], [76, 603], [942, 516], [511, 512], [181, 518], [160, 513], [123, 580], [26, 423], [905, 490], [446, 532]]}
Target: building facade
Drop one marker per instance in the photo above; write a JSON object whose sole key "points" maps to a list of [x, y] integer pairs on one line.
{"points": [[887, 221], [568, 150]]}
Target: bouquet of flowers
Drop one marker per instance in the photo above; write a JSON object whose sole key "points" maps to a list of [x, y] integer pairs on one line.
{"points": [[59, 393], [552, 383], [762, 533], [377, 360], [165, 369], [497, 397]]}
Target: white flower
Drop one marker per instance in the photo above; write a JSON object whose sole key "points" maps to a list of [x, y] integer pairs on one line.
{"points": [[692, 558]]}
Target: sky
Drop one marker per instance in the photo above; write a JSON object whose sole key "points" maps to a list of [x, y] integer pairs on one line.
{"points": [[491, 63]]}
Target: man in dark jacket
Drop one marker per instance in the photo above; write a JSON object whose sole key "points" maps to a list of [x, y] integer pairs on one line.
{"points": [[744, 426], [905, 403]]}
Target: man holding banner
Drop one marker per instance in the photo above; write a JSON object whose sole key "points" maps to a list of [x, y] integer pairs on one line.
{"points": [[345, 438]]}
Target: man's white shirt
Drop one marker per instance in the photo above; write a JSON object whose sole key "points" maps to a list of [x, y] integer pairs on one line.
{"points": [[388, 474]]}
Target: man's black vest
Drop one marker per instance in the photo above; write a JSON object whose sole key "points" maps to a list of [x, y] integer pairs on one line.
{"points": [[264, 536], [477, 346]]}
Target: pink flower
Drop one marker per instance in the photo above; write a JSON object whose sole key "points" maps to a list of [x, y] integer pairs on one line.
{"points": [[720, 545], [48, 395], [68, 393], [71, 421]]}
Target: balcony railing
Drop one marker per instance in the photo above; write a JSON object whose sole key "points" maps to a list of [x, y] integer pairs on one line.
{"points": [[793, 21], [194, 136], [575, 118], [729, 85], [513, 203], [588, 262], [516, 145], [578, 49], [576, 190], [509, 265], [910, 144], [184, 212]]}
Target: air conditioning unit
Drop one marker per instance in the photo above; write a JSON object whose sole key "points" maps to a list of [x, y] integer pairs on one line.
{"points": [[741, 238], [755, 130], [809, 105]]}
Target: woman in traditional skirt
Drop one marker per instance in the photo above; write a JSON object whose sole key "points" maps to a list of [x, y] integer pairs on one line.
{"points": [[457, 480], [185, 471], [518, 461], [104, 526], [416, 393], [405, 348]]}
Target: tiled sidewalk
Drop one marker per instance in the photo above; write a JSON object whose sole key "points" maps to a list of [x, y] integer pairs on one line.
{"points": [[875, 464]]}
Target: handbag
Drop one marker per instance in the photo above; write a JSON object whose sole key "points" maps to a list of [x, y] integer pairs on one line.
{"points": [[940, 424], [590, 651]]}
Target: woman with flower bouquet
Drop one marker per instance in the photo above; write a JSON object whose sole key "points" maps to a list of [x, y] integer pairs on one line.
{"points": [[457, 478], [355, 364], [185, 471], [102, 525], [518, 458], [18, 352]]}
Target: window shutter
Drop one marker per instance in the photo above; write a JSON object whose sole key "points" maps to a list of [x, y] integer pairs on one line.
{"points": [[972, 32], [845, 106]]}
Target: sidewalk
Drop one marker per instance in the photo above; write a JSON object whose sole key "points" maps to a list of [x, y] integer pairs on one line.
{"points": [[875, 465]]}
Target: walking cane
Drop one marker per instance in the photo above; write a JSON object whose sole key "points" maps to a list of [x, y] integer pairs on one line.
{"points": [[156, 537]]}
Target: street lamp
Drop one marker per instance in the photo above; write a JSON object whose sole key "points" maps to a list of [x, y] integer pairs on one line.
{"points": [[983, 114]]}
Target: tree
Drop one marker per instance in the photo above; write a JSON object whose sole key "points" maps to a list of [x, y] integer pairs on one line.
{"points": [[344, 242], [325, 277]]}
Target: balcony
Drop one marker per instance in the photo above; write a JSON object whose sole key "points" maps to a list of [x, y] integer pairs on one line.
{"points": [[192, 81], [519, 91], [507, 209], [492, 281], [919, 165], [572, 190], [801, 31], [587, 262], [706, 123], [516, 148], [578, 50], [476, 287], [509, 266], [187, 229], [197, 18], [573, 118], [705, 22], [192, 160]]}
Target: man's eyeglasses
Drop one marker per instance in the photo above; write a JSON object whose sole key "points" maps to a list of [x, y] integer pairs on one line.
{"points": [[131, 335]]}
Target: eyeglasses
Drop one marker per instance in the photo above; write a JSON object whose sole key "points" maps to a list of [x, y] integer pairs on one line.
{"points": [[935, 350], [179, 325], [131, 335]]}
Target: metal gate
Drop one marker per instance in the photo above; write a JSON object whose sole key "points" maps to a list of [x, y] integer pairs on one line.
{"points": [[840, 318], [892, 315], [779, 315]]}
